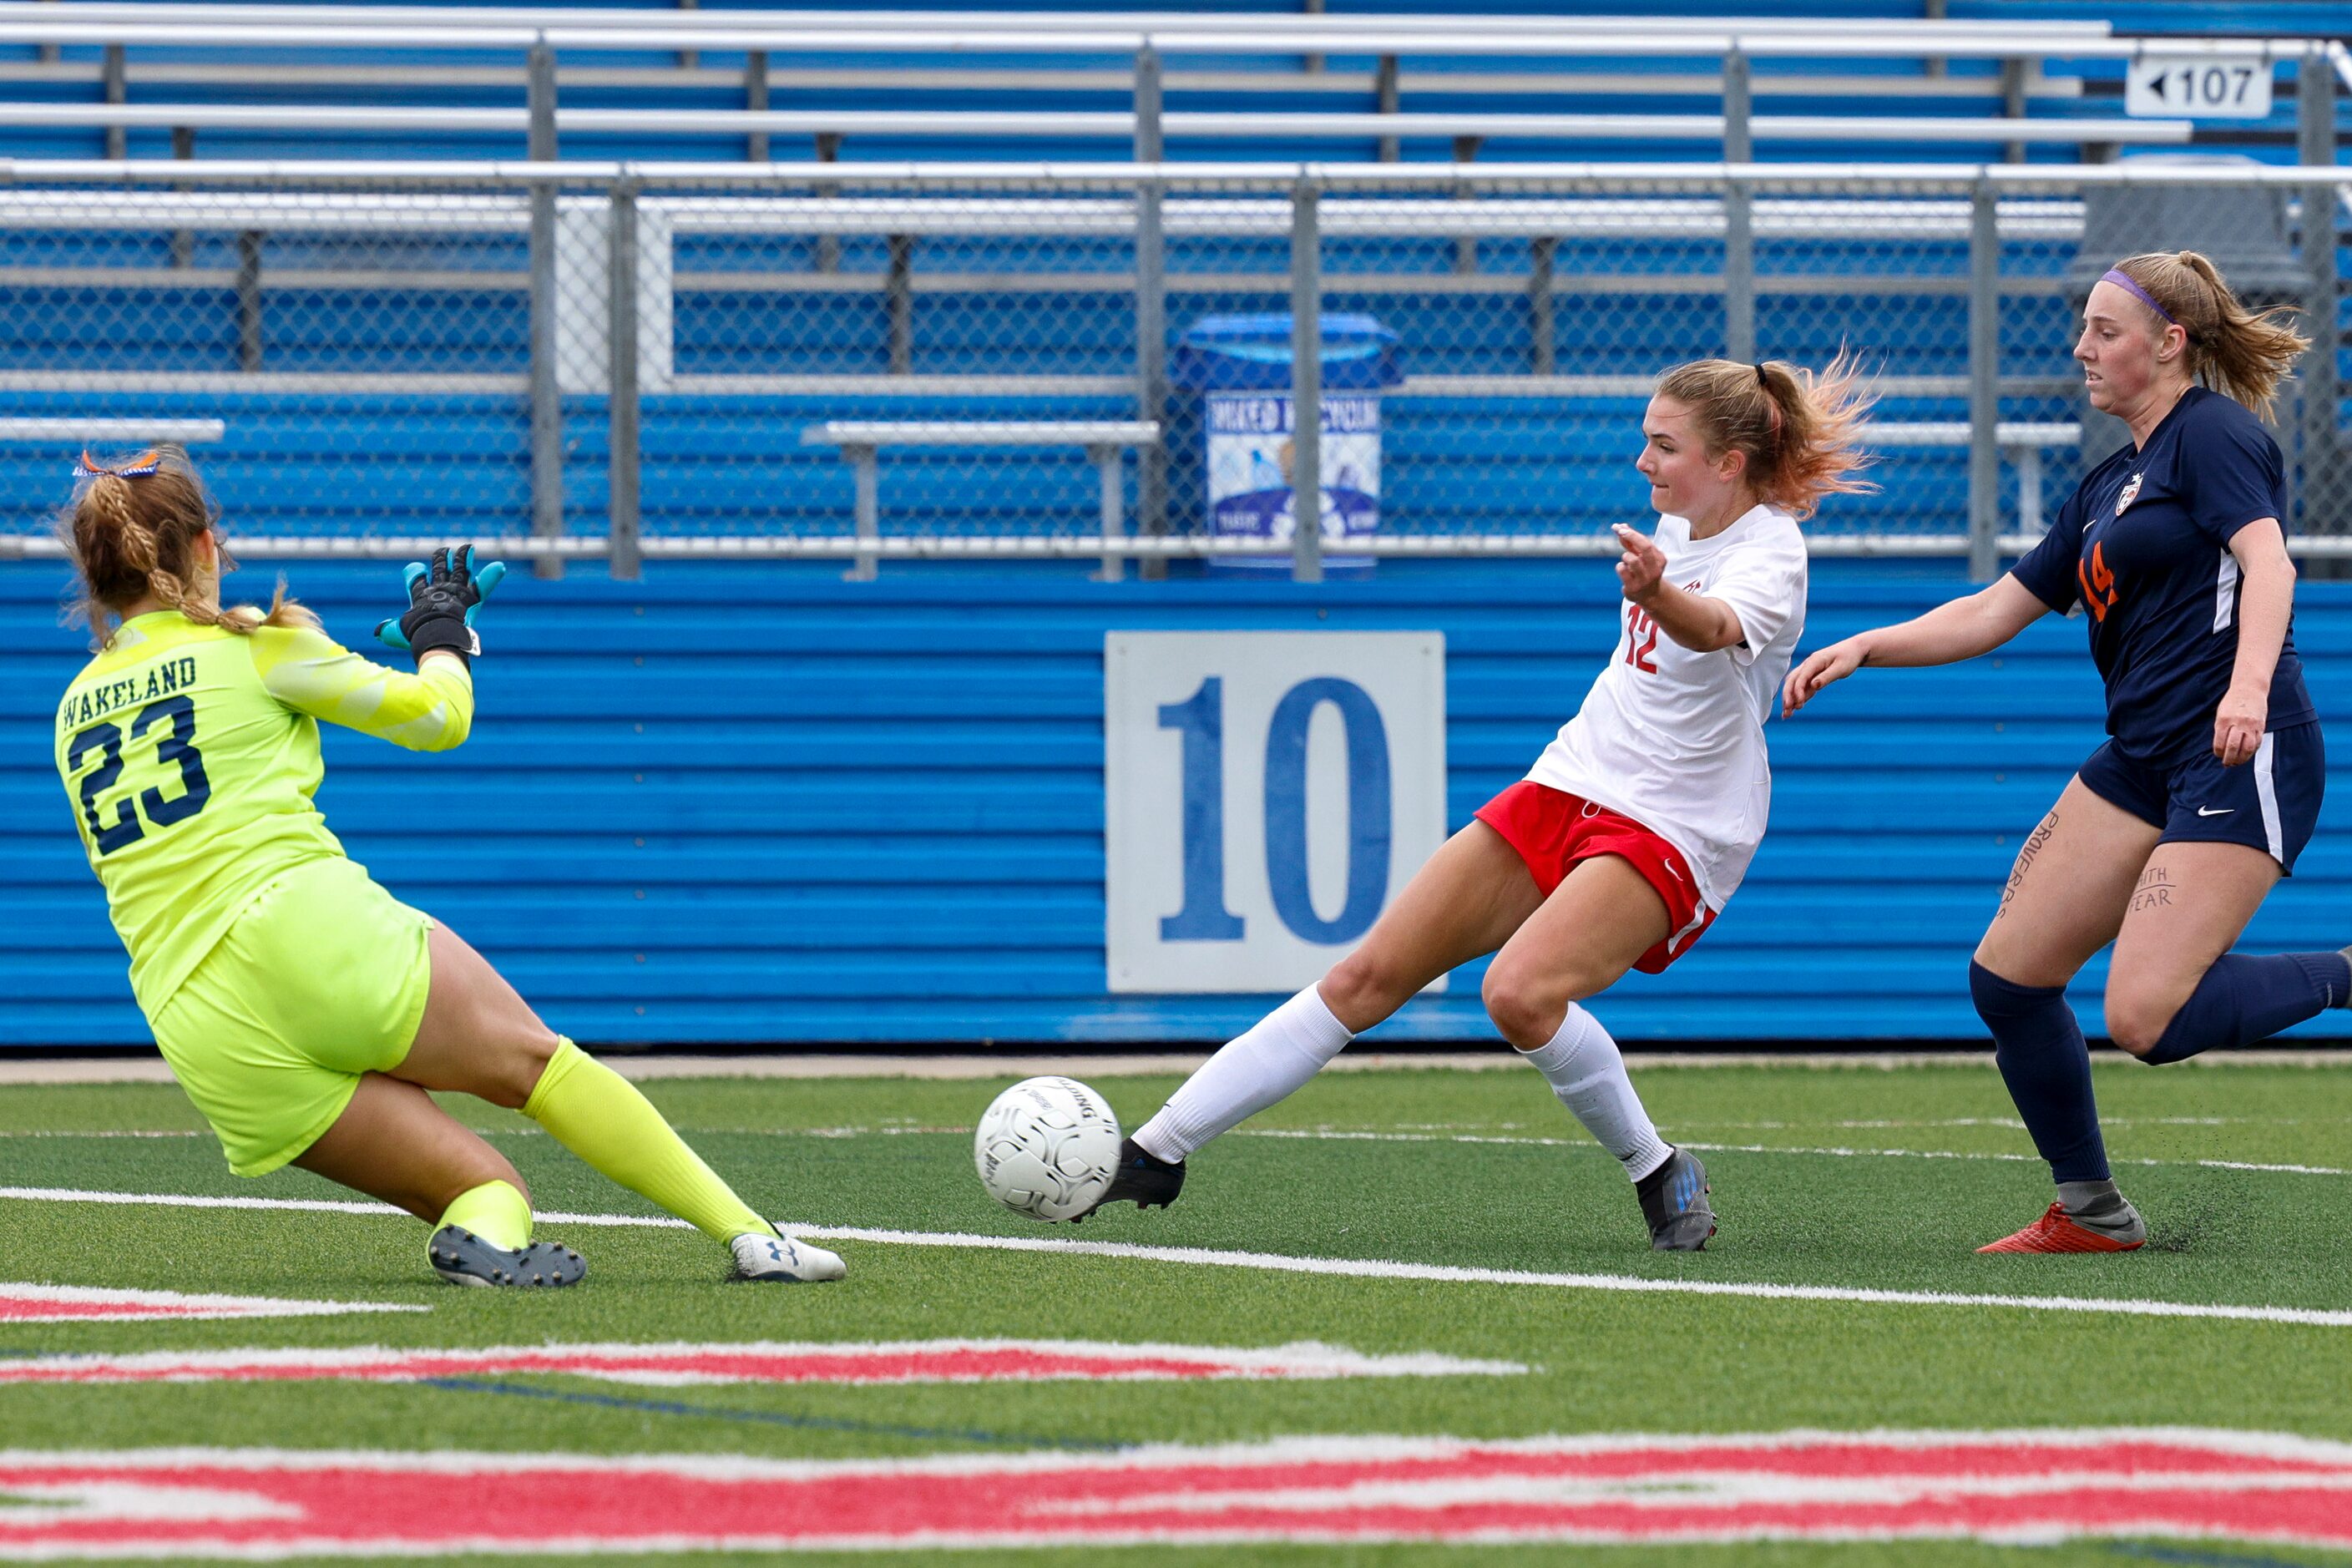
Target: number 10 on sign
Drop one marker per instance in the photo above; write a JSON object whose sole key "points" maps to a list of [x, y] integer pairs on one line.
{"points": [[1267, 794]]}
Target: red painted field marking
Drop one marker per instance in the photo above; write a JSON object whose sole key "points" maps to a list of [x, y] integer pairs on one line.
{"points": [[77, 1303], [2013, 1486], [924, 1361]]}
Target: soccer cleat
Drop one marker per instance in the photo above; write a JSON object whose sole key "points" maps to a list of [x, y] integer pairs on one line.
{"points": [[1144, 1180], [461, 1258], [779, 1259], [1673, 1200], [2056, 1231]]}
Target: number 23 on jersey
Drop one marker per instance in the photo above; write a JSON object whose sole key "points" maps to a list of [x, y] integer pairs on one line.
{"points": [[113, 823]]}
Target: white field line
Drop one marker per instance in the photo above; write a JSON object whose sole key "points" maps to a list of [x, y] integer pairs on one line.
{"points": [[197, 1201], [167, 1305], [1336, 1135], [1283, 1263], [152, 1068], [1376, 1268], [2009, 1123], [2027, 1159], [1343, 1135], [107, 1132], [2233, 1447], [677, 1363], [1314, 1134]]}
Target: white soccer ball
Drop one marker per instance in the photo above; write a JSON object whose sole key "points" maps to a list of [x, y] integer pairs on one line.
{"points": [[1047, 1148]]}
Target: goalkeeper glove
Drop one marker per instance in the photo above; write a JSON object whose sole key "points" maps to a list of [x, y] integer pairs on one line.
{"points": [[443, 599]]}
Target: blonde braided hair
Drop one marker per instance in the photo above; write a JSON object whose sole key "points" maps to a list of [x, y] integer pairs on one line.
{"points": [[130, 530]]}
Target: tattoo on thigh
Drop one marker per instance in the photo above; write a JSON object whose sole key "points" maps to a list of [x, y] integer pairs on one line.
{"points": [[2155, 888], [2033, 846]]}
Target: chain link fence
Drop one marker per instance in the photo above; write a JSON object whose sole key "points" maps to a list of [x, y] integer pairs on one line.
{"points": [[864, 362]]}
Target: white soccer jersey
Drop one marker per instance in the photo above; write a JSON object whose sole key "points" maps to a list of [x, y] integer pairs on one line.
{"points": [[1674, 739]]}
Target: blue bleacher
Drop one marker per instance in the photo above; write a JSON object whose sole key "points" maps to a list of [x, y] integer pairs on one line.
{"points": [[1465, 464], [1453, 465], [416, 86]]}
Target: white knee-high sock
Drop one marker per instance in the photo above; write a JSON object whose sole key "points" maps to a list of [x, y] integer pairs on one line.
{"points": [[1266, 1063], [1585, 1071]]}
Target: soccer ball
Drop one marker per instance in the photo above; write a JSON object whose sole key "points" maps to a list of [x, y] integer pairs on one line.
{"points": [[1047, 1148]]}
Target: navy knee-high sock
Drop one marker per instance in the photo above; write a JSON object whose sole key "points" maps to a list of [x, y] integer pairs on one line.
{"points": [[2242, 999], [2040, 1050]]}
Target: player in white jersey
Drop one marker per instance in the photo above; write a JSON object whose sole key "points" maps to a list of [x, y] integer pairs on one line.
{"points": [[1634, 826]]}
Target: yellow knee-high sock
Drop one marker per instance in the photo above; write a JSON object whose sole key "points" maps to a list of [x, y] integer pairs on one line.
{"points": [[600, 1116], [494, 1211]]}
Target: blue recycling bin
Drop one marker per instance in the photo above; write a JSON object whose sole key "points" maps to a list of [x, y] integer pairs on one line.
{"points": [[1240, 366]]}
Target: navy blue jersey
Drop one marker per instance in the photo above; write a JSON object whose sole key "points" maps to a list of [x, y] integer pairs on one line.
{"points": [[2144, 545]]}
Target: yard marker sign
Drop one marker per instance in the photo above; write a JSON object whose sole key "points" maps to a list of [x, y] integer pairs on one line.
{"points": [[2036, 1487]]}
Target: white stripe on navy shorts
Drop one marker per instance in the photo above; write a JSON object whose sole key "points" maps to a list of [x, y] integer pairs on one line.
{"points": [[2271, 804]]}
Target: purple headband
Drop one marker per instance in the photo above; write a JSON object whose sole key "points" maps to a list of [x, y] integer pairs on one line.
{"points": [[2123, 281]]}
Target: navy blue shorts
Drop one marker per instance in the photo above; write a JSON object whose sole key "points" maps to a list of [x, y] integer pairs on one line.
{"points": [[2270, 804]]}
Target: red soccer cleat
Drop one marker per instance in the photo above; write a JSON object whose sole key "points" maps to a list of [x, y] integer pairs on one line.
{"points": [[2054, 1232]]}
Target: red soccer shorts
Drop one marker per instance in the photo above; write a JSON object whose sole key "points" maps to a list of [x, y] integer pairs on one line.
{"points": [[1552, 830]]}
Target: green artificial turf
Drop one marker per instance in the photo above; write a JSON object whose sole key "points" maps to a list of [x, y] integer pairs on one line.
{"points": [[1851, 1177]]}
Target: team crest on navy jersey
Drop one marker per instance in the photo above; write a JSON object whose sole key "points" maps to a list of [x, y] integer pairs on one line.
{"points": [[2130, 493]]}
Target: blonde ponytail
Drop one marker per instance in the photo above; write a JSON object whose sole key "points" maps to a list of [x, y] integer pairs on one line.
{"points": [[1799, 430], [2239, 353], [130, 532]]}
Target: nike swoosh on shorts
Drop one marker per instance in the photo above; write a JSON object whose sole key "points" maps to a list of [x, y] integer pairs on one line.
{"points": [[2209, 811]]}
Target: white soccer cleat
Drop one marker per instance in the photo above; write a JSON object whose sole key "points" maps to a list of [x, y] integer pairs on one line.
{"points": [[782, 1259]]}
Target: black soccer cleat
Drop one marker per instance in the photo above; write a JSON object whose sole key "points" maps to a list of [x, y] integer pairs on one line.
{"points": [[1673, 1201], [1144, 1180], [461, 1258]]}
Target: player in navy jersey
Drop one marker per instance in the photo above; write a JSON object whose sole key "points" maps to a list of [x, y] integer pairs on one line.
{"points": [[2171, 833]]}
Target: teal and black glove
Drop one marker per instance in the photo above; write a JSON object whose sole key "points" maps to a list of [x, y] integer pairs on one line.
{"points": [[443, 599]]}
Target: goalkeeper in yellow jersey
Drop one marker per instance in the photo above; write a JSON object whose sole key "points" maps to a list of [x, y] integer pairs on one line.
{"points": [[304, 1009]]}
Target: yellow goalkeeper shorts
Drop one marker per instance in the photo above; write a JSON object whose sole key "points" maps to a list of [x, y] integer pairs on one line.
{"points": [[323, 977]]}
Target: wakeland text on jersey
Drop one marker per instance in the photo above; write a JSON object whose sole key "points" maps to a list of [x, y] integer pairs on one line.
{"points": [[158, 680]]}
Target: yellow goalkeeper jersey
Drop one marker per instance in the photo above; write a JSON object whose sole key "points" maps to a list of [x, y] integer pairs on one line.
{"points": [[190, 755]]}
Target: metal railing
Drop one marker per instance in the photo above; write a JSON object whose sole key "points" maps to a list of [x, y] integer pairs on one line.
{"points": [[669, 19], [1119, 126], [574, 360], [1080, 42], [1386, 80]]}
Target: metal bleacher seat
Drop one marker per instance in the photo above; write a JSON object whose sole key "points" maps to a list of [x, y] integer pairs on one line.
{"points": [[646, 83]]}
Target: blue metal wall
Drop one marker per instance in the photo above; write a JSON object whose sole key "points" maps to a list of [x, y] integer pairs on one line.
{"points": [[760, 803]]}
